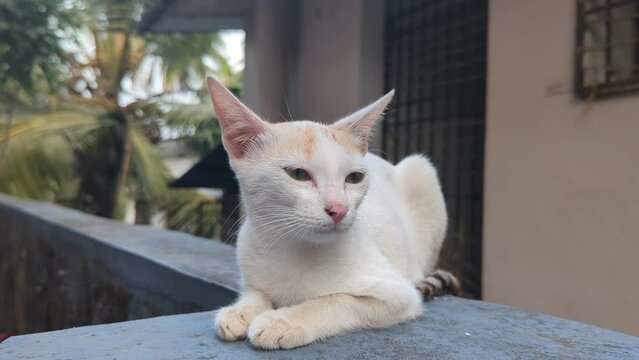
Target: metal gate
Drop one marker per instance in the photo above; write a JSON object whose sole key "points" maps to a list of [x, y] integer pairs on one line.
{"points": [[435, 58]]}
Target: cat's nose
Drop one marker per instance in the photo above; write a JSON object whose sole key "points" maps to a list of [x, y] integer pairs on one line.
{"points": [[337, 212]]}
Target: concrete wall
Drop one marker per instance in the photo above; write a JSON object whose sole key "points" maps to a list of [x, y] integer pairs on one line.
{"points": [[339, 52], [61, 268], [266, 57], [340, 56], [562, 176], [324, 57], [450, 328]]}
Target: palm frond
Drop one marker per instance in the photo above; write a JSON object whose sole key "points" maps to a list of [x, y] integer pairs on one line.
{"points": [[182, 56], [71, 123], [188, 114], [149, 173], [196, 123], [193, 212], [38, 159], [93, 141], [42, 172], [225, 72]]}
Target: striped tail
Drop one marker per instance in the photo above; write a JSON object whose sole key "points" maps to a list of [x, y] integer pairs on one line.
{"points": [[439, 283]]}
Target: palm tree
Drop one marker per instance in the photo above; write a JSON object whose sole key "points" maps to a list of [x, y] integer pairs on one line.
{"points": [[92, 146]]}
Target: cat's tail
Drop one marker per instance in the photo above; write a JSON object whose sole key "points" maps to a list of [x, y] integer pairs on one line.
{"points": [[439, 283]]}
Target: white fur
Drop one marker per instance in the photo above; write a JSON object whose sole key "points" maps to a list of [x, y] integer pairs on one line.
{"points": [[305, 278]]}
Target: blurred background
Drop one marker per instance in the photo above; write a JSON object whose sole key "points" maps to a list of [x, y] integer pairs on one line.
{"points": [[100, 116], [528, 109]]}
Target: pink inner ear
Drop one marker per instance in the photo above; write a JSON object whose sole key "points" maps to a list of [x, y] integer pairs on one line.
{"points": [[361, 123], [238, 135], [363, 142], [240, 126], [359, 129]]}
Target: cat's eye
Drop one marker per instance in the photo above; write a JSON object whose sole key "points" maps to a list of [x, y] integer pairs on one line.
{"points": [[298, 174], [355, 177]]}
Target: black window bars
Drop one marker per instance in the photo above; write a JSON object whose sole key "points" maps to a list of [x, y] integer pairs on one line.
{"points": [[435, 58]]}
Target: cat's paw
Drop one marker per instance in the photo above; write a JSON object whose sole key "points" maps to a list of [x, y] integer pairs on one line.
{"points": [[232, 322], [273, 330]]}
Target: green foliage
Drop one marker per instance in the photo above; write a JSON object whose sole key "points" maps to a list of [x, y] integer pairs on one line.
{"points": [[149, 173], [51, 180], [90, 143], [193, 212], [195, 124], [40, 160], [32, 33], [183, 70]]}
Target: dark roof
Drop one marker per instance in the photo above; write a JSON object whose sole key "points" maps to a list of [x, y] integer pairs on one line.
{"points": [[195, 16], [212, 171]]}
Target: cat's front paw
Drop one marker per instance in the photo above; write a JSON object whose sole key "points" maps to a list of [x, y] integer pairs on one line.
{"points": [[273, 330], [232, 322]]}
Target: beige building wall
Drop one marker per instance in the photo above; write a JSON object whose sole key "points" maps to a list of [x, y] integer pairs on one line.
{"points": [[268, 30], [561, 179], [320, 59], [339, 57], [338, 63]]}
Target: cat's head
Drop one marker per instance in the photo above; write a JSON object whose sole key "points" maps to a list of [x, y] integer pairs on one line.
{"points": [[300, 180]]}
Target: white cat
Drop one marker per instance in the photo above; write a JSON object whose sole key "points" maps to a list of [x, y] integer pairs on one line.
{"points": [[335, 238]]}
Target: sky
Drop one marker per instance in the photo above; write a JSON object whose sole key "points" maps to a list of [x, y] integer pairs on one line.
{"points": [[234, 50], [234, 42]]}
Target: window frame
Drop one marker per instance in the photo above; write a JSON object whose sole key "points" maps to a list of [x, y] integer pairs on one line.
{"points": [[608, 88]]}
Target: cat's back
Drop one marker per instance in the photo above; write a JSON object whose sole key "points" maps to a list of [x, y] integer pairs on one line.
{"points": [[405, 210], [383, 194], [413, 187], [379, 168], [382, 202]]}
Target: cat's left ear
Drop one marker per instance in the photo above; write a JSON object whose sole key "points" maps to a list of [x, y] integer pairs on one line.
{"points": [[361, 123], [240, 126]]}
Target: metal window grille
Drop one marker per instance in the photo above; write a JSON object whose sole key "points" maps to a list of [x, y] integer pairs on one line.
{"points": [[607, 51], [435, 58]]}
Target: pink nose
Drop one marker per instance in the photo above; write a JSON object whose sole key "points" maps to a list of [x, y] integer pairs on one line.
{"points": [[337, 212]]}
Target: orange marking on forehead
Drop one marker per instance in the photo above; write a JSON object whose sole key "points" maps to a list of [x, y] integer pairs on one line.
{"points": [[344, 139], [309, 141], [294, 139], [302, 139]]}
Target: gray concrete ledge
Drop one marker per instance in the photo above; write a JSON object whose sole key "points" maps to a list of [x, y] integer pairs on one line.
{"points": [[174, 272], [91, 270], [450, 328], [209, 261]]}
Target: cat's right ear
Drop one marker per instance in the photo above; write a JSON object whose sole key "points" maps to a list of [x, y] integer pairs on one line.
{"points": [[361, 123], [240, 126]]}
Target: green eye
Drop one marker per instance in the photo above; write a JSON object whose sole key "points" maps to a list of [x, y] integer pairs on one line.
{"points": [[298, 174], [355, 177]]}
